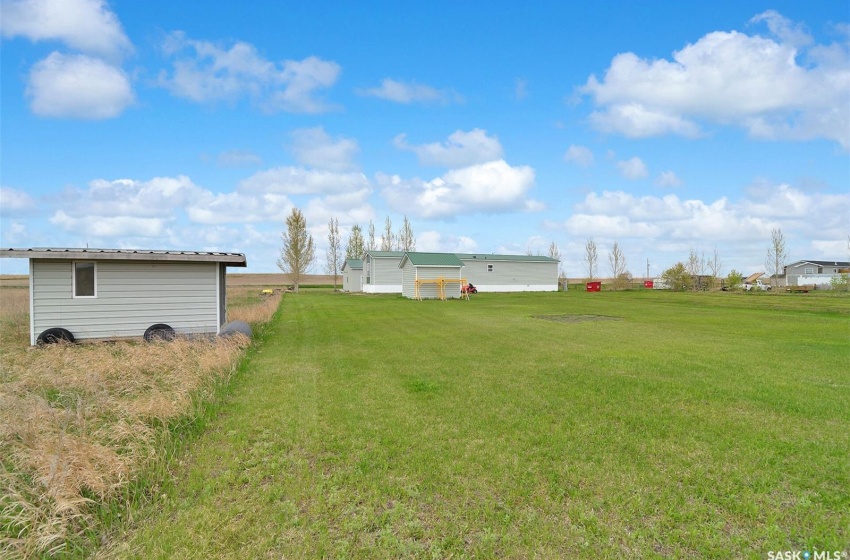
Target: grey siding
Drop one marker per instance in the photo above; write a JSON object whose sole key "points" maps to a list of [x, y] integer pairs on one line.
{"points": [[352, 279], [131, 296], [386, 271], [429, 291], [510, 273], [408, 276]]}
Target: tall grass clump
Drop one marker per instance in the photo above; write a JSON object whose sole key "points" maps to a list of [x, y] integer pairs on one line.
{"points": [[87, 429]]}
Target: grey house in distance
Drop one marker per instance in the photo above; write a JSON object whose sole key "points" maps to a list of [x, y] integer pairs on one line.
{"points": [[121, 293], [818, 273], [352, 275], [381, 272], [510, 273]]}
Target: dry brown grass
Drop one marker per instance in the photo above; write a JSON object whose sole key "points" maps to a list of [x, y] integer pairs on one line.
{"points": [[80, 423]]}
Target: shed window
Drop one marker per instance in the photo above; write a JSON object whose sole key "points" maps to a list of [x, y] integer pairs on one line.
{"points": [[489, 268], [85, 279]]}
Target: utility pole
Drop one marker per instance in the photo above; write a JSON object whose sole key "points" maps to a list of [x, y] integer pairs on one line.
{"points": [[647, 269]]}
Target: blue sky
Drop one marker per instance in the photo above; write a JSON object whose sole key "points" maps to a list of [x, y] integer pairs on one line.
{"points": [[494, 127]]}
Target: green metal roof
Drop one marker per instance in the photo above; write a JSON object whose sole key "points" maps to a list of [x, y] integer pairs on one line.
{"points": [[431, 259], [385, 254], [515, 258], [353, 263]]}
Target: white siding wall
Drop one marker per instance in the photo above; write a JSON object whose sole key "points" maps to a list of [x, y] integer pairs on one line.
{"points": [[408, 276], [131, 296], [385, 276], [352, 280], [511, 276]]}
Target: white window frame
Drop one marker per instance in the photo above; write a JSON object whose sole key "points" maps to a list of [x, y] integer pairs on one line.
{"points": [[489, 267], [808, 271], [74, 279]]}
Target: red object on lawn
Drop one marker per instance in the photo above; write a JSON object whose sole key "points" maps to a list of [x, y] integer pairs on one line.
{"points": [[594, 286], [648, 284]]}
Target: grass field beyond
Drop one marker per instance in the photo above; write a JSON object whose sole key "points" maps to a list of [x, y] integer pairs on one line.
{"points": [[529, 425]]}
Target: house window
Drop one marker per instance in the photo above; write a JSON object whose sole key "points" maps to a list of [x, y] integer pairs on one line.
{"points": [[809, 271], [489, 268], [85, 279]]}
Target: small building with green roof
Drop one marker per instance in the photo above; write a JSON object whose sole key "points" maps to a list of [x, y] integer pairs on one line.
{"points": [[431, 275], [381, 272], [352, 275]]}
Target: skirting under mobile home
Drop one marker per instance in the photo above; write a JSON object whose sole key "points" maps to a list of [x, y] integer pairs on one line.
{"points": [[111, 294]]}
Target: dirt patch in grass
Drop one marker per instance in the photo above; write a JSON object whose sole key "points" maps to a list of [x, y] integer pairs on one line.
{"points": [[576, 318]]}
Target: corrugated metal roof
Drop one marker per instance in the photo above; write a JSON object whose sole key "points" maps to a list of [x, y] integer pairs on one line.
{"points": [[385, 254], [230, 259], [431, 259], [516, 258], [352, 263]]}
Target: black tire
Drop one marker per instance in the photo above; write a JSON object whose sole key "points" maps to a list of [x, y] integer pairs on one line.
{"points": [[54, 335], [159, 331]]}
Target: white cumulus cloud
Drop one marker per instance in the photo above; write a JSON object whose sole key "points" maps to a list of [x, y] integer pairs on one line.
{"points": [[731, 78], [13, 202], [668, 179], [461, 149], [205, 72], [633, 169], [316, 148], [78, 86], [298, 180], [492, 187], [410, 92], [88, 26], [579, 155]]}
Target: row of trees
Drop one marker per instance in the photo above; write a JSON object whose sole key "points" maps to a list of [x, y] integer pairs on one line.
{"points": [[697, 273], [298, 252]]}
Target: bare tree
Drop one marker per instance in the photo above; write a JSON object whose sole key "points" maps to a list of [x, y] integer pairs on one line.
{"points": [[371, 245], [356, 246], [617, 262], [695, 268], [716, 268], [776, 256], [406, 241], [298, 253], [334, 253], [387, 236], [591, 258]]}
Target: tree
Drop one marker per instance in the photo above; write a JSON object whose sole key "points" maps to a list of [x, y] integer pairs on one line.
{"points": [[695, 267], [677, 277], [734, 280], [617, 262], [406, 241], [298, 253], [387, 237], [776, 256], [334, 254], [716, 267], [356, 246], [371, 245], [591, 258]]}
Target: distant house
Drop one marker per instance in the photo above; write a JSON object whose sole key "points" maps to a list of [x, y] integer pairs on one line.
{"points": [[352, 275], [431, 275], [120, 293], [510, 273], [381, 272], [817, 273]]}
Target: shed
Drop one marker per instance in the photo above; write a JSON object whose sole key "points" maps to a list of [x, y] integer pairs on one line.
{"points": [[122, 293], [381, 272], [510, 273], [352, 275], [431, 275]]}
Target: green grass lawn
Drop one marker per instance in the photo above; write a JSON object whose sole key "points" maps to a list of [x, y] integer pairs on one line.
{"points": [[633, 424]]}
